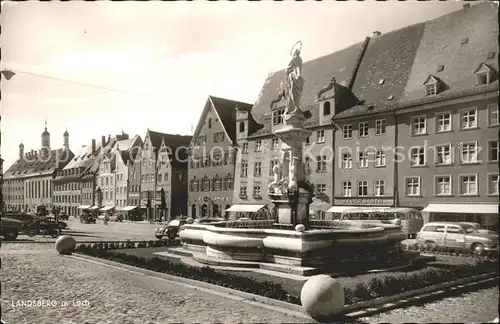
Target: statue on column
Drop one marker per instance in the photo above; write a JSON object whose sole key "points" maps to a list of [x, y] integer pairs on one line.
{"points": [[294, 80]]}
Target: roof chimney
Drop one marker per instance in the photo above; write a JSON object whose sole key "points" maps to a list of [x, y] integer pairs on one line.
{"points": [[466, 5], [376, 33], [103, 141], [93, 145]]}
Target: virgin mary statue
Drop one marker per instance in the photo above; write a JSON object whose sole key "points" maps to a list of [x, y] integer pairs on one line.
{"points": [[294, 80]]}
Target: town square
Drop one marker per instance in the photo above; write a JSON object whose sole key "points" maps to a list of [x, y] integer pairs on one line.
{"points": [[274, 162]]}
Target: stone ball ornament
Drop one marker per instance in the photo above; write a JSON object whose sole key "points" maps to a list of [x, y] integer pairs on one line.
{"points": [[300, 228], [322, 297], [65, 244], [190, 220]]}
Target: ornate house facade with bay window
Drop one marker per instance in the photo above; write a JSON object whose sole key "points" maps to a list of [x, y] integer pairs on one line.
{"points": [[212, 155]]}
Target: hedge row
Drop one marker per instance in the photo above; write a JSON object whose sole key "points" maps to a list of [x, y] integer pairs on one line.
{"points": [[488, 255], [127, 245], [388, 285]]}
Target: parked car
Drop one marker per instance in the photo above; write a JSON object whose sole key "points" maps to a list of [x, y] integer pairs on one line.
{"points": [[24, 218], [479, 227], [10, 228], [456, 235], [63, 216], [171, 230], [87, 218]]}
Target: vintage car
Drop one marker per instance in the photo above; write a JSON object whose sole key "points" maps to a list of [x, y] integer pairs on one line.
{"points": [[171, 230], [87, 218], [10, 228], [63, 216], [456, 235]]}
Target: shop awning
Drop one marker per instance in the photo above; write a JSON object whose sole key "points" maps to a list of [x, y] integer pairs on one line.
{"points": [[106, 208], [84, 207], [245, 208], [341, 209], [462, 208], [94, 207], [129, 208]]}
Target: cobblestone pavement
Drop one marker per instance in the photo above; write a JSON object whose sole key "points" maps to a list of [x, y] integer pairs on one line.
{"points": [[35, 272], [474, 307], [114, 231]]}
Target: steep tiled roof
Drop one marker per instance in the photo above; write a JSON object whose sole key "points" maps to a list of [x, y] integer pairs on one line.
{"points": [[174, 142], [99, 157], [128, 148], [34, 165], [317, 74], [460, 41], [226, 109]]}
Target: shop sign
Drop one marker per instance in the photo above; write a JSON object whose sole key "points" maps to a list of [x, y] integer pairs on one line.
{"points": [[365, 201], [214, 199]]}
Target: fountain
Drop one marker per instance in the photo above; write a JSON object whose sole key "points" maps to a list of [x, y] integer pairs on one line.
{"points": [[292, 240]]}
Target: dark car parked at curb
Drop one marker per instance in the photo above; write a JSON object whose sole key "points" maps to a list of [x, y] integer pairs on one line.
{"points": [[171, 230], [10, 228]]}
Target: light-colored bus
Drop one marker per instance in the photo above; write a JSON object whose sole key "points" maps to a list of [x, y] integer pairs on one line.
{"points": [[411, 219]]}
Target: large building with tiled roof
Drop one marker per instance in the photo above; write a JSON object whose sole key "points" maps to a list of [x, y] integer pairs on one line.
{"points": [[174, 147], [212, 158], [388, 91], [28, 182]]}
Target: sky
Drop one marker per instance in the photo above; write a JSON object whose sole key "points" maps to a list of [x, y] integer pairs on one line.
{"points": [[161, 60]]}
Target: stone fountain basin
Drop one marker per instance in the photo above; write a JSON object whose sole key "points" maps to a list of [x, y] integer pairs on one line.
{"points": [[285, 246]]}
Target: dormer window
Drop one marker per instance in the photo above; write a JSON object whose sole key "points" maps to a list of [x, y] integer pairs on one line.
{"points": [[241, 127], [431, 86], [278, 116], [326, 108], [484, 74]]}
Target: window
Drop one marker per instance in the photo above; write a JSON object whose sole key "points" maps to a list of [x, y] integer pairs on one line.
{"points": [[276, 144], [346, 161], [272, 164], [468, 185], [493, 151], [443, 185], [210, 123], [468, 152], [454, 230], [229, 184], [217, 158], [321, 136], [257, 169], [347, 131], [362, 188], [443, 122], [278, 116], [346, 189], [380, 126], [493, 115], [483, 78], [321, 188], [206, 161], [256, 191], [431, 89], [205, 184], [245, 148], [379, 188], [362, 160], [468, 118], [217, 185], [380, 158], [443, 154], [244, 169], [243, 190], [218, 137], [159, 177], [321, 163], [326, 108], [418, 125], [308, 140], [493, 184], [258, 146], [241, 127], [363, 129], [412, 186], [417, 156]]}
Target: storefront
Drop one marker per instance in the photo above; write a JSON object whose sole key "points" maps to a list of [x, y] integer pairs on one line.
{"points": [[107, 210], [318, 210], [345, 203], [484, 214], [130, 212]]}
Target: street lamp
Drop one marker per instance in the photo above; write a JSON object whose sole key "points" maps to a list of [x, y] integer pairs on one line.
{"points": [[8, 74]]}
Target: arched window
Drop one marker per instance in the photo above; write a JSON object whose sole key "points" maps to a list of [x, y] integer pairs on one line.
{"points": [[210, 123], [228, 182], [326, 108], [216, 212], [242, 127], [217, 183], [204, 210]]}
